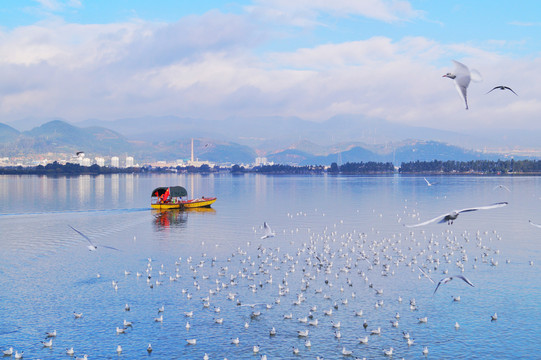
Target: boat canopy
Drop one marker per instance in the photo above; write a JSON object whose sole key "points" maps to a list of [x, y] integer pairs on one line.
{"points": [[174, 191]]}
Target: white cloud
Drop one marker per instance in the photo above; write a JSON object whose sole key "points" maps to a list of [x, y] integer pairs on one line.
{"points": [[49, 4], [58, 5], [308, 12], [208, 67]]}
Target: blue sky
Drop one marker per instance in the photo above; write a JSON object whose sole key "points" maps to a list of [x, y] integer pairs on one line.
{"points": [[314, 59]]}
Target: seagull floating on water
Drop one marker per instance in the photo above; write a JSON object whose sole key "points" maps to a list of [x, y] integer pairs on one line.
{"points": [[450, 217], [462, 77], [447, 279], [502, 87]]}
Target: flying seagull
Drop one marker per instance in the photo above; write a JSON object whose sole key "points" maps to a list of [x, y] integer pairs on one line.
{"points": [[501, 187], [450, 217], [268, 231], [428, 182], [462, 77], [534, 224], [447, 279], [501, 87], [91, 247]]}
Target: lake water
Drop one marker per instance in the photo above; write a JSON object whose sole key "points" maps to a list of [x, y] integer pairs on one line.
{"points": [[338, 240]]}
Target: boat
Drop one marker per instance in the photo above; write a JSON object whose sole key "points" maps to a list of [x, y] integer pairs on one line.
{"points": [[173, 197]]}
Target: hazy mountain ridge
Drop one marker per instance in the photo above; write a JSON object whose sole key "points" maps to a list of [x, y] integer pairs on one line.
{"points": [[168, 143], [58, 136], [270, 133]]}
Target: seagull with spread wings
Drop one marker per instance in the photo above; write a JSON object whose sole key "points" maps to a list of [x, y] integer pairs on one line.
{"points": [[451, 216], [447, 279], [91, 245], [462, 77], [268, 231], [428, 183], [502, 87]]}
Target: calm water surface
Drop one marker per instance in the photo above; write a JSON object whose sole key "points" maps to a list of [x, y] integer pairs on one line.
{"points": [[338, 240]]}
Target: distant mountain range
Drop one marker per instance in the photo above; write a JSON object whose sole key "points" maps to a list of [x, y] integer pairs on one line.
{"points": [[269, 133], [239, 140]]}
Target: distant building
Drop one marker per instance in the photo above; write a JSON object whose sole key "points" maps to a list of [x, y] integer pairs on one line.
{"points": [[86, 162], [115, 161], [129, 161], [100, 161], [262, 161]]}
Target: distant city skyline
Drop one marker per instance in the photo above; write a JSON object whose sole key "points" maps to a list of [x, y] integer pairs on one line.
{"points": [[378, 59]]}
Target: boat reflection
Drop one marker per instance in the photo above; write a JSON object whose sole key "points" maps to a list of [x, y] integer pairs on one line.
{"points": [[176, 218], [166, 219], [207, 210]]}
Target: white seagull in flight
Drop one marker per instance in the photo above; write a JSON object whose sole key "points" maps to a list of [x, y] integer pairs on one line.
{"points": [[450, 217], [268, 231], [534, 224], [91, 247], [447, 279], [428, 183], [502, 187], [462, 77]]}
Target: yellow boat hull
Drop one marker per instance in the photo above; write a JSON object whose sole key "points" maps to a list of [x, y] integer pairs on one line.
{"points": [[166, 206], [197, 203], [186, 204]]}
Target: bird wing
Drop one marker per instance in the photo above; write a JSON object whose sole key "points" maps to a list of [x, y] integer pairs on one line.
{"points": [[425, 274], [494, 88], [475, 76], [462, 89], [427, 182], [83, 235], [462, 73], [508, 88], [493, 206], [437, 286], [465, 280], [461, 69], [534, 224], [428, 221]]}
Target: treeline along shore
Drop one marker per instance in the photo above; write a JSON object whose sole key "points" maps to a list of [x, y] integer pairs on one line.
{"points": [[476, 167]]}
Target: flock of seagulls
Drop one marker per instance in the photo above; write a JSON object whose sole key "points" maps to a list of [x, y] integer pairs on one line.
{"points": [[462, 76], [304, 286]]}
